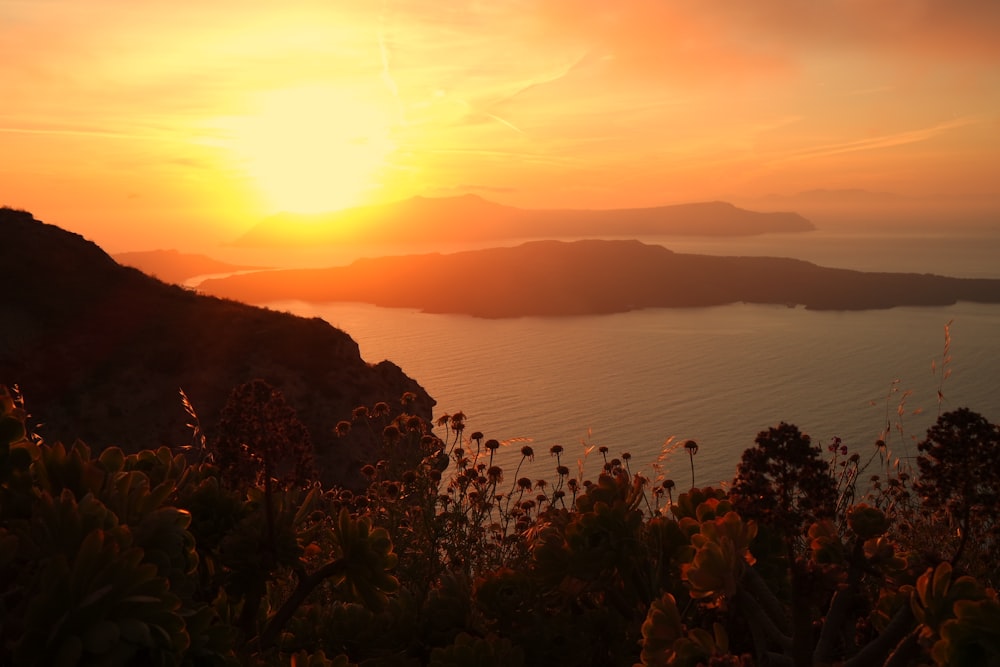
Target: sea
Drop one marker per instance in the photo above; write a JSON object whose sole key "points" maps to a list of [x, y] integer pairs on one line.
{"points": [[643, 382]]}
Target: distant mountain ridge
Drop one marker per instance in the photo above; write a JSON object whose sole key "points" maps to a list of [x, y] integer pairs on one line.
{"points": [[833, 208], [100, 350], [470, 218], [553, 278], [176, 267]]}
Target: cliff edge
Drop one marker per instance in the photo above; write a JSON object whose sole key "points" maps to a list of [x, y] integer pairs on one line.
{"points": [[100, 352]]}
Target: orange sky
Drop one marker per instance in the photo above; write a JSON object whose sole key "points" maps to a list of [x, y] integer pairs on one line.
{"points": [[143, 124]]}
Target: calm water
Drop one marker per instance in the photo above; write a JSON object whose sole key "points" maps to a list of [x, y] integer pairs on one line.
{"points": [[716, 375]]}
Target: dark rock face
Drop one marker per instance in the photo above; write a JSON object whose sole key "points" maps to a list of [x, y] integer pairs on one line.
{"points": [[100, 352]]}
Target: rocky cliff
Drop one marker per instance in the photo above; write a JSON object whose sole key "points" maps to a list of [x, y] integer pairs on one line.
{"points": [[100, 352]]}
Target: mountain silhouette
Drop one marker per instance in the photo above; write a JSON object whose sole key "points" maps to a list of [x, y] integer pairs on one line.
{"points": [[172, 266], [470, 218], [595, 277], [100, 351]]}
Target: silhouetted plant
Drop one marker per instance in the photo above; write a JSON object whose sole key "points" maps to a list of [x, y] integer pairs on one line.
{"points": [[783, 482], [784, 485], [959, 467], [666, 641], [469, 650], [691, 447], [161, 558], [94, 600], [15, 457], [261, 438], [105, 568], [970, 638]]}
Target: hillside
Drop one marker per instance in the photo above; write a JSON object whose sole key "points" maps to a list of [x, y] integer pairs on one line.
{"points": [[472, 219], [100, 351], [594, 277]]}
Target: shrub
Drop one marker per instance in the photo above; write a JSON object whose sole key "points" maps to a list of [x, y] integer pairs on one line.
{"points": [[151, 558], [959, 467]]}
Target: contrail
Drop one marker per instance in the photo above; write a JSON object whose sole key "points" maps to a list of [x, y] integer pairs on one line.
{"points": [[390, 83], [505, 123], [885, 141], [75, 133]]}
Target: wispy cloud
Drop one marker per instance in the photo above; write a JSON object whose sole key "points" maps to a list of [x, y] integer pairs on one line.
{"points": [[505, 123], [874, 143], [74, 132], [586, 100], [384, 53]]}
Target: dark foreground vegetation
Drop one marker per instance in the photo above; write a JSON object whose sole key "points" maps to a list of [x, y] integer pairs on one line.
{"points": [[228, 552]]}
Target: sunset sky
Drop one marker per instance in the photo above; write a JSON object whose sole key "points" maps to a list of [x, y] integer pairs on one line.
{"points": [[142, 123]]}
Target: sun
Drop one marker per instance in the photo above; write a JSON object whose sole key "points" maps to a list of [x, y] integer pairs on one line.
{"points": [[311, 149]]}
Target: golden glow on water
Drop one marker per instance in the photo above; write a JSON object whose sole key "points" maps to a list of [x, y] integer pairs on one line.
{"points": [[310, 149], [715, 375]]}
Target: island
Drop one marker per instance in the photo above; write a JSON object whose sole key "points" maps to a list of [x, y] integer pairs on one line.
{"points": [[441, 221], [558, 278]]}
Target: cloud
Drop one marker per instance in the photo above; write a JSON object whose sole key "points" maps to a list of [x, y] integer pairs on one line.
{"points": [[873, 143], [534, 93], [670, 42], [698, 43], [80, 132]]}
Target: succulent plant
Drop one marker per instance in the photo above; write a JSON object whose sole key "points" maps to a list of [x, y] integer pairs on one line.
{"points": [[469, 651], [98, 602]]}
